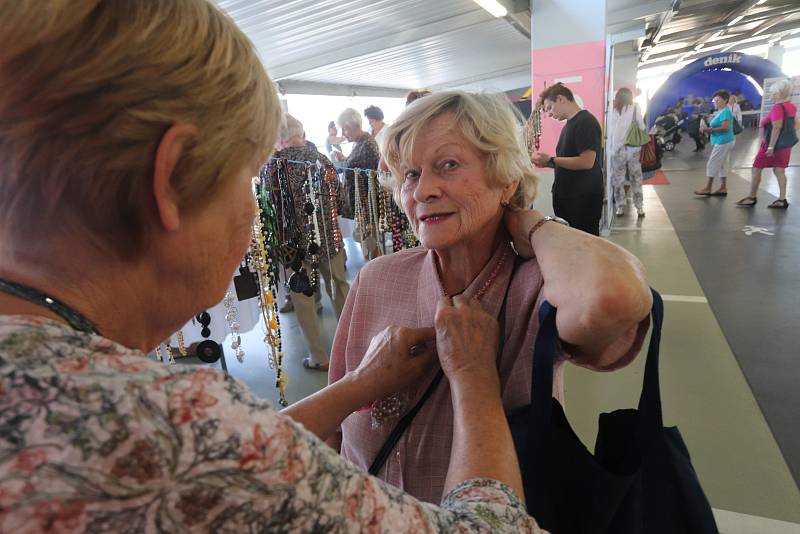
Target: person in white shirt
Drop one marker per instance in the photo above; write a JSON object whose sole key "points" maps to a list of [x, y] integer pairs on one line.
{"points": [[625, 158], [374, 116]]}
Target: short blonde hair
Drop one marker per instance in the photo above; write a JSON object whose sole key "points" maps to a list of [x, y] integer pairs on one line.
{"points": [[290, 127], [490, 123], [783, 88], [87, 90]]}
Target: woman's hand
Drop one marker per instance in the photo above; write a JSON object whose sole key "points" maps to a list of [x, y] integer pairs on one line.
{"points": [[519, 223], [396, 359], [770, 151], [466, 341]]}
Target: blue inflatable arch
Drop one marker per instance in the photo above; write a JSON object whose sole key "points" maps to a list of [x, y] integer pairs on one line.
{"points": [[721, 67]]}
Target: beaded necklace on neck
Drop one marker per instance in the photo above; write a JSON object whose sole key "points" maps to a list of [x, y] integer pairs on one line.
{"points": [[485, 287]]}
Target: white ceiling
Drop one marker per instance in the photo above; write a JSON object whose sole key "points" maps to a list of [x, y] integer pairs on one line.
{"points": [[398, 44], [385, 47]]}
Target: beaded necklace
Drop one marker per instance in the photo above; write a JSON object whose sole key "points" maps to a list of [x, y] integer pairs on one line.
{"points": [[482, 290]]}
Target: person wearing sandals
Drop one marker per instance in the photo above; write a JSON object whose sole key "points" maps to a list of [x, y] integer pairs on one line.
{"points": [[782, 115], [462, 174], [722, 138]]}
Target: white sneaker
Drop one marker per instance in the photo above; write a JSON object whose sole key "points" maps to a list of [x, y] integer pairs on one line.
{"points": [[640, 211], [620, 211]]}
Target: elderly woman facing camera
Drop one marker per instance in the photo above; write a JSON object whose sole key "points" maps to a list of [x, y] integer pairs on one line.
{"points": [[464, 180], [126, 167]]}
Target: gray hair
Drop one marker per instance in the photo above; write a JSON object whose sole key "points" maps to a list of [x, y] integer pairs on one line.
{"points": [[350, 118], [290, 127], [488, 121], [783, 88]]}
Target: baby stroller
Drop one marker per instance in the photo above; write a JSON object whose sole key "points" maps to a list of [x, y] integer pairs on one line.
{"points": [[667, 130]]}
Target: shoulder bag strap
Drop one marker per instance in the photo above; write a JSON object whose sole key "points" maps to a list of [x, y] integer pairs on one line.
{"points": [[542, 381], [405, 421]]}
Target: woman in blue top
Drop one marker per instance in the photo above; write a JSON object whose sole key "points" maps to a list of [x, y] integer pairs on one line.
{"points": [[721, 129]]}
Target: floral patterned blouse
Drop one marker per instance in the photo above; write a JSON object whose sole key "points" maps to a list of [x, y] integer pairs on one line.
{"points": [[96, 437]]}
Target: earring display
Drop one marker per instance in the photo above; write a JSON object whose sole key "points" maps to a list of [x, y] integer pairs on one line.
{"points": [[181, 343], [208, 351], [232, 317], [168, 350]]}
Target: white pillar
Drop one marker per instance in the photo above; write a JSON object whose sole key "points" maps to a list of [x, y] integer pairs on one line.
{"points": [[775, 54], [626, 65]]}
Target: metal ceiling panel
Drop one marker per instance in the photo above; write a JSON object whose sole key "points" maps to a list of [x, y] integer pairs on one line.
{"points": [[382, 43], [700, 27], [448, 60]]}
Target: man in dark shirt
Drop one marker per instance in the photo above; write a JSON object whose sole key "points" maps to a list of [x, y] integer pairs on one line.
{"points": [[578, 163]]}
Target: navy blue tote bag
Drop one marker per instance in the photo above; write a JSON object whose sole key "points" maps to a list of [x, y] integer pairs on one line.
{"points": [[640, 479]]}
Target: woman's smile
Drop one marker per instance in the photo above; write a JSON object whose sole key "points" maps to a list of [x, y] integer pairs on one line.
{"points": [[435, 218]]}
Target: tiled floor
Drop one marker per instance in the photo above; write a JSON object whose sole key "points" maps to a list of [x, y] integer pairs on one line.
{"points": [[704, 388]]}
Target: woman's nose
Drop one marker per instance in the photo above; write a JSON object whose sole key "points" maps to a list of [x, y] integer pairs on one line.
{"points": [[428, 187]]}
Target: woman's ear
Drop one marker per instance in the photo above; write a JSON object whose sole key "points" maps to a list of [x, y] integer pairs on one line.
{"points": [[509, 190], [170, 149]]}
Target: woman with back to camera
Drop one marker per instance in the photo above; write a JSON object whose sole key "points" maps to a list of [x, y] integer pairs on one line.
{"points": [[782, 115], [128, 142], [625, 158], [463, 177]]}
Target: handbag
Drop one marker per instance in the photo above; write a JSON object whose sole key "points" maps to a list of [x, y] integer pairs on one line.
{"points": [[787, 136], [648, 157], [640, 478], [636, 136], [737, 128]]}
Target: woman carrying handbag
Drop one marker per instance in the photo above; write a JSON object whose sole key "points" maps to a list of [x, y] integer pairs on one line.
{"points": [[628, 134]]}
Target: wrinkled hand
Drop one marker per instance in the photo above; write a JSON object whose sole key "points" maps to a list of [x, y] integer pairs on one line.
{"points": [[466, 340], [389, 365], [540, 159]]}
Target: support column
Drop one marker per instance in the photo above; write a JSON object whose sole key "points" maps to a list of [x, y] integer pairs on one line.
{"points": [[775, 54], [626, 65]]}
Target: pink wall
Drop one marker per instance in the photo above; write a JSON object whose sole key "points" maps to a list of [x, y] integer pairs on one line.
{"points": [[581, 67]]}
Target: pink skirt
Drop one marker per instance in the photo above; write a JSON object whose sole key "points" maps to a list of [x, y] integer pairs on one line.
{"points": [[780, 158]]}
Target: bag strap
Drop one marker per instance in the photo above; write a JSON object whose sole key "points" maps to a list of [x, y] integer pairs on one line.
{"points": [[544, 353], [405, 421], [401, 427]]}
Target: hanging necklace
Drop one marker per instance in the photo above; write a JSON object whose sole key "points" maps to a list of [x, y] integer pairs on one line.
{"points": [[482, 290], [34, 296]]}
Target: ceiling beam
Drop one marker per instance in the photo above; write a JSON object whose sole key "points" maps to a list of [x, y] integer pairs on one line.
{"points": [[769, 23], [501, 73], [301, 87], [438, 28], [732, 39], [730, 20], [763, 16], [652, 40], [644, 10]]}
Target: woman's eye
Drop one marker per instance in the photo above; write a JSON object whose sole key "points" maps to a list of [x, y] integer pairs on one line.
{"points": [[411, 175], [449, 165]]}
